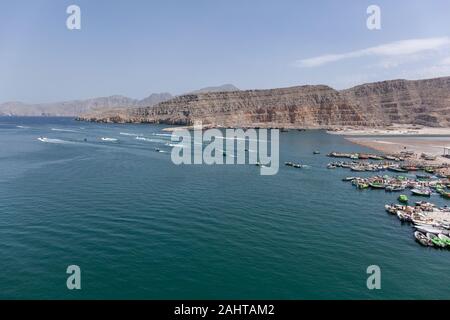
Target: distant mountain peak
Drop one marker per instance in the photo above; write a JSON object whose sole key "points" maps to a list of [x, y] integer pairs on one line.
{"points": [[155, 98], [223, 88]]}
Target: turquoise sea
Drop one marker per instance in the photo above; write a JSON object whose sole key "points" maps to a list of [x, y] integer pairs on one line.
{"points": [[141, 227]]}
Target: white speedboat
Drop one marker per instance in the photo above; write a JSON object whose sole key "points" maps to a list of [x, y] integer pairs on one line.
{"points": [[432, 230], [109, 139]]}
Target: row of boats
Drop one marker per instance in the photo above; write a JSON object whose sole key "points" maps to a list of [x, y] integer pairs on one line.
{"points": [[420, 186], [359, 166], [366, 156], [431, 224], [402, 156]]}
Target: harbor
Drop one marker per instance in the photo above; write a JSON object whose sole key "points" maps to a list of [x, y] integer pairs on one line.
{"points": [[431, 224]]}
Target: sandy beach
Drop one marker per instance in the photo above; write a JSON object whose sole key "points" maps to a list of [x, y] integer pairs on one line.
{"points": [[394, 130], [394, 145]]}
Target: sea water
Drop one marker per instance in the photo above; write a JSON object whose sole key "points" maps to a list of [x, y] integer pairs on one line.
{"points": [[139, 226]]}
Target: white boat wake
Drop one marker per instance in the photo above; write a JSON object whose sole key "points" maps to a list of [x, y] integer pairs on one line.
{"points": [[47, 140], [146, 139], [63, 130], [130, 134]]}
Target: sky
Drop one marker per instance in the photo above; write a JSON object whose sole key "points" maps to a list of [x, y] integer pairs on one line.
{"points": [[136, 47]]}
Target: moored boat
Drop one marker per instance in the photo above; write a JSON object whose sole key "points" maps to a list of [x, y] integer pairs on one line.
{"points": [[396, 169], [444, 238], [421, 192], [362, 185], [446, 195], [377, 185], [403, 198], [422, 239], [436, 240], [395, 188], [428, 229]]}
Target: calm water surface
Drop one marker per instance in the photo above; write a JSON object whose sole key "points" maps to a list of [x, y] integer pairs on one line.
{"points": [[141, 227]]}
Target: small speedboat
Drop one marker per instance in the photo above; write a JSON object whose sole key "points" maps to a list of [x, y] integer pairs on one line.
{"points": [[43, 139], [403, 216], [362, 185], [259, 164], [109, 139], [444, 238], [395, 188], [424, 204], [403, 198], [425, 229], [422, 239], [349, 179], [421, 192], [316, 152], [396, 169], [393, 208], [436, 240], [377, 185], [446, 195]]}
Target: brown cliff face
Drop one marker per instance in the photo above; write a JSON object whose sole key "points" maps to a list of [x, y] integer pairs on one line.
{"points": [[425, 102]]}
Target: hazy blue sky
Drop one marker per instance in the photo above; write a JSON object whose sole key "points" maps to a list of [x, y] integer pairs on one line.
{"points": [[137, 47]]}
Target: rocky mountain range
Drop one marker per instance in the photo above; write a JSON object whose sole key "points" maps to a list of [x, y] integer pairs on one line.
{"points": [[76, 108], [422, 102]]}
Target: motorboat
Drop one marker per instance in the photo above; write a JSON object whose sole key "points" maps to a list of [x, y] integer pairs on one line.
{"points": [[436, 240], [422, 239], [109, 139], [421, 192]]}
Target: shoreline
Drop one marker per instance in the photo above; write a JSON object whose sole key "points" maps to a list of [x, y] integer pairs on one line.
{"points": [[394, 130], [394, 145]]}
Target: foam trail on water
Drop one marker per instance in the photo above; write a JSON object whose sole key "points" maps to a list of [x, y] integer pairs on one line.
{"points": [[163, 134], [147, 139], [63, 130], [130, 134], [150, 140]]}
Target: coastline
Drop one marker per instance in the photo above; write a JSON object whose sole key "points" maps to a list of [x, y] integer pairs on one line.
{"points": [[394, 130], [393, 145]]}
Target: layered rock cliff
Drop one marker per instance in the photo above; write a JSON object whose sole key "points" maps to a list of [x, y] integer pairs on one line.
{"points": [[424, 102]]}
